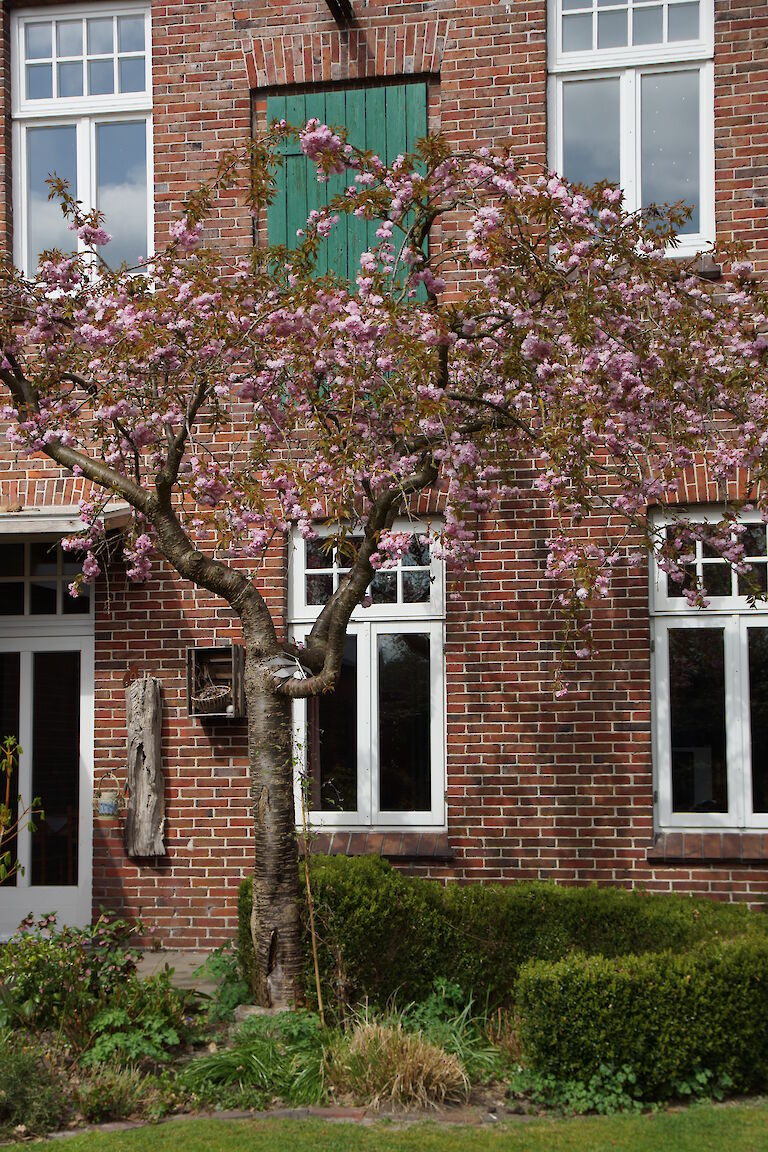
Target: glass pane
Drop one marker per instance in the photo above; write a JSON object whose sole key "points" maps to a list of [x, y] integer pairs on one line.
{"points": [[319, 589], [611, 29], [100, 41], [754, 583], [404, 727], [577, 33], [697, 719], [39, 81], [754, 540], [121, 189], [670, 141], [591, 131], [69, 38], [130, 33], [71, 79], [675, 589], [384, 588], [131, 74], [55, 765], [11, 559], [416, 587], [43, 559], [716, 578], [11, 599], [647, 25], [683, 22], [39, 40], [49, 150], [611, 4], [758, 715], [101, 77], [333, 740], [418, 552], [570, 5], [75, 605], [42, 598], [318, 554], [9, 726]]}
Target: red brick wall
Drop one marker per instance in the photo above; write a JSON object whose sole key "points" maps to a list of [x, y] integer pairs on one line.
{"points": [[536, 788]]}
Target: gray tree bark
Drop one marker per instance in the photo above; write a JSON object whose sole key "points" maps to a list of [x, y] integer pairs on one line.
{"points": [[145, 819]]}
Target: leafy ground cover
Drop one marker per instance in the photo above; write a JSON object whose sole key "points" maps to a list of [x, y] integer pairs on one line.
{"points": [[703, 1128]]}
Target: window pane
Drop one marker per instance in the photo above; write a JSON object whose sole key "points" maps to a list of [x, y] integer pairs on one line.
{"points": [[39, 39], [591, 131], [55, 765], [404, 728], [716, 578], [75, 605], [69, 38], [319, 589], [384, 588], [754, 540], [121, 189], [577, 33], [758, 715], [333, 740], [697, 719], [569, 5], [11, 599], [43, 559], [670, 141], [130, 33], [611, 29], [100, 42], [683, 22], [416, 586], [101, 77], [42, 598], [418, 552], [39, 81], [131, 74], [49, 150], [647, 25], [318, 554], [71, 79], [11, 559], [10, 668]]}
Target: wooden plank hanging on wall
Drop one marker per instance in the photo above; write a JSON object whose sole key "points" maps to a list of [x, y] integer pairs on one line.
{"points": [[145, 815]]}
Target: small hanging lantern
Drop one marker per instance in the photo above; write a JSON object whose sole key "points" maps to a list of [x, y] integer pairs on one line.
{"points": [[109, 799]]}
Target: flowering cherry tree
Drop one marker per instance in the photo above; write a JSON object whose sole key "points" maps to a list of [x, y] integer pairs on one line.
{"points": [[231, 401]]}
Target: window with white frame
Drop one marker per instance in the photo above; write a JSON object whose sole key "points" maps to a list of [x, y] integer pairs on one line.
{"points": [[711, 689], [82, 100], [372, 752], [631, 100]]}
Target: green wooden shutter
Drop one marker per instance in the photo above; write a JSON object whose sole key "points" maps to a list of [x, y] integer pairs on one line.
{"points": [[387, 120]]}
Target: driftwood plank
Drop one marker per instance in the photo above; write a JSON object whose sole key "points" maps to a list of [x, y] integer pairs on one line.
{"points": [[145, 817]]}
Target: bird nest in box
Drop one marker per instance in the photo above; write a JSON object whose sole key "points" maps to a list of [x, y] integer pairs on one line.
{"points": [[212, 698]]}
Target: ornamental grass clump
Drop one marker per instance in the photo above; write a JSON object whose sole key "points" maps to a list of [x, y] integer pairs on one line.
{"points": [[378, 1063]]}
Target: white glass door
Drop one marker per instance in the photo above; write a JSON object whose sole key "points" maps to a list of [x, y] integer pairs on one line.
{"points": [[46, 703]]}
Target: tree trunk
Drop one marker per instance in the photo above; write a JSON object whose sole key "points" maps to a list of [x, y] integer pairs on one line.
{"points": [[145, 820], [275, 917]]}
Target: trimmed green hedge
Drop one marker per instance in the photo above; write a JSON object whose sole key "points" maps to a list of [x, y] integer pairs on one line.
{"points": [[665, 1016], [383, 934]]}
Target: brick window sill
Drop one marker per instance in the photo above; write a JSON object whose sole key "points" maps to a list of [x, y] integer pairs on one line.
{"points": [[709, 848], [393, 845]]}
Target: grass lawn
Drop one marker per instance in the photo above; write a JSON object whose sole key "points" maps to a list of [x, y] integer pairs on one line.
{"points": [[702, 1128]]}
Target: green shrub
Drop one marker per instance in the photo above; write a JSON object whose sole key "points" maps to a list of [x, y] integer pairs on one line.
{"points": [[31, 1090], [111, 1094], [60, 979], [143, 1020], [675, 1020], [383, 934], [222, 967]]}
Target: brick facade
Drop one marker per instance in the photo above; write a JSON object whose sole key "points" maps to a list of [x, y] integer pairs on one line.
{"points": [[535, 788]]}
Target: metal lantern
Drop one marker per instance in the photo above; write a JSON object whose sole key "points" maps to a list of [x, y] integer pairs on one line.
{"points": [[109, 798]]}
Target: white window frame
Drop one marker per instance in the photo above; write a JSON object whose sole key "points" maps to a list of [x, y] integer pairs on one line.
{"points": [[628, 65], [84, 113], [735, 616], [367, 625]]}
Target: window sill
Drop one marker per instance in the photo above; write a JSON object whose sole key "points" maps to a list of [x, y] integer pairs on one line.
{"points": [[708, 847], [392, 845]]}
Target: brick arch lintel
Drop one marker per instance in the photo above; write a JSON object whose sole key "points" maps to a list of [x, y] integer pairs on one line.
{"points": [[363, 53]]}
